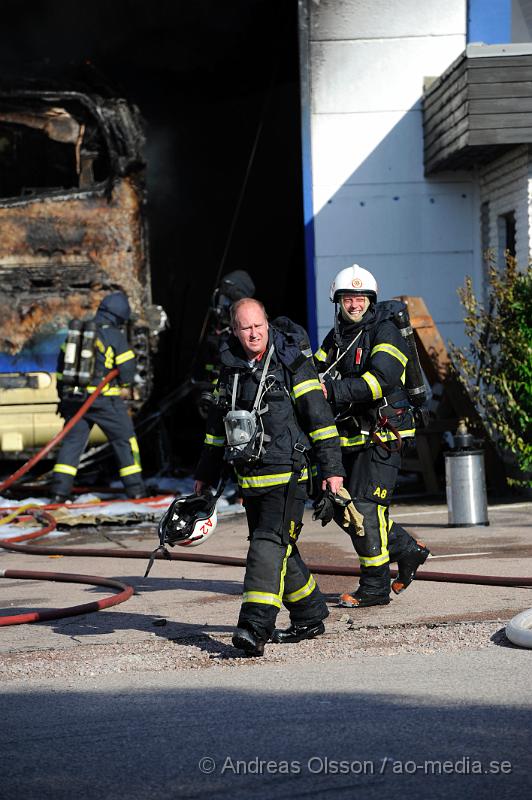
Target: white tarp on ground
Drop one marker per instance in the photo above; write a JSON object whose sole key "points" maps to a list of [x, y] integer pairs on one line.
{"points": [[98, 509]]}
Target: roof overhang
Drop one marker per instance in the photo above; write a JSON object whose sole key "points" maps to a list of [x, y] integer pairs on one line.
{"points": [[479, 107]]}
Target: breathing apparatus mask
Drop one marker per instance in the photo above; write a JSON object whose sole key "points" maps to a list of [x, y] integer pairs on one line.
{"points": [[244, 429], [240, 429]]}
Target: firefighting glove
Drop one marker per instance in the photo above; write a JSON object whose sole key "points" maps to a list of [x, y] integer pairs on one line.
{"points": [[323, 509], [328, 505], [352, 520]]}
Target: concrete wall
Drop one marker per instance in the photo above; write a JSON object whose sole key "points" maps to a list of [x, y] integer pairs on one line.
{"points": [[367, 60]]}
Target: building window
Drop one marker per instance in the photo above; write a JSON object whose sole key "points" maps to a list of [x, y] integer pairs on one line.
{"points": [[506, 236]]}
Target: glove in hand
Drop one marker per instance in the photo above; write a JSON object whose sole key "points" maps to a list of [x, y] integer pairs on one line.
{"points": [[352, 520], [323, 508]]}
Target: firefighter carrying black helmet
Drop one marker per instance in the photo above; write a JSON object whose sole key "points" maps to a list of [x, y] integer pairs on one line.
{"points": [[270, 412]]}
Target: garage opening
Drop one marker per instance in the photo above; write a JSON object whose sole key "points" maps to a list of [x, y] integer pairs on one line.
{"points": [[218, 86]]}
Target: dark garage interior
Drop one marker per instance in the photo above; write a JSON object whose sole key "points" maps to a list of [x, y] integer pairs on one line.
{"points": [[217, 83]]}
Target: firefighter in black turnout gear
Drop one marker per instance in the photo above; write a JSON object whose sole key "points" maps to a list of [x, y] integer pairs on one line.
{"points": [[362, 363], [270, 412], [111, 349], [233, 286]]}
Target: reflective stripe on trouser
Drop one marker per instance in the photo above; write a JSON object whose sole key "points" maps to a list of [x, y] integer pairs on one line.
{"points": [[111, 415], [275, 572], [371, 478]]}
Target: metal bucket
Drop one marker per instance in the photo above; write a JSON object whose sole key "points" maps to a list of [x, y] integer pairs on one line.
{"points": [[466, 488]]}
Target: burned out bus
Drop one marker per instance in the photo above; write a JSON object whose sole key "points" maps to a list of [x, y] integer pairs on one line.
{"points": [[72, 228]]}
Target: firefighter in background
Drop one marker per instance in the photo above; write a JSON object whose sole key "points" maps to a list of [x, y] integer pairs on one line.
{"points": [[111, 349], [269, 411], [233, 286], [363, 362]]}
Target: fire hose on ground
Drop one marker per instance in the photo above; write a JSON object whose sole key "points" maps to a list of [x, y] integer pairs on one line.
{"points": [[49, 524], [519, 630], [62, 433]]}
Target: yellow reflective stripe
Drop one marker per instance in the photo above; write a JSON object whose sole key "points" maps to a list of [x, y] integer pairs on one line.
{"points": [[384, 556], [135, 450], [383, 527], [323, 433], [132, 470], [215, 441], [123, 357], [259, 481], [66, 469], [59, 376], [376, 561], [265, 598], [352, 441], [374, 385], [306, 386], [268, 598], [113, 391], [392, 351], [320, 355], [387, 436], [384, 436], [109, 357], [283, 569], [300, 594]]}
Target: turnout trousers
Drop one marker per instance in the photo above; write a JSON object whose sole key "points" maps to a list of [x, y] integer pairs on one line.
{"points": [[111, 415], [371, 478], [275, 572]]}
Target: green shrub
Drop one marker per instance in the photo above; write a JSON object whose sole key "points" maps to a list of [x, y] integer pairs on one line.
{"points": [[496, 366]]}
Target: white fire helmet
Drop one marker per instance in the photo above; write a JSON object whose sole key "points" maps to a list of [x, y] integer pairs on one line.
{"points": [[353, 280], [189, 521]]}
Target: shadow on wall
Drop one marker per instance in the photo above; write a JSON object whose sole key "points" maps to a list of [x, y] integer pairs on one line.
{"points": [[417, 235]]}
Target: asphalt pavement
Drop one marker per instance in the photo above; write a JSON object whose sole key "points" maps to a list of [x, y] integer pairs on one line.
{"points": [[424, 697]]}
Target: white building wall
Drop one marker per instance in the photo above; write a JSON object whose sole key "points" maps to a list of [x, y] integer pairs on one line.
{"points": [[505, 184], [371, 202]]}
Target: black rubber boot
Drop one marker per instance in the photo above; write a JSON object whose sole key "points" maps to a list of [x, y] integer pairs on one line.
{"points": [[297, 632], [362, 601], [58, 499], [407, 567], [136, 491], [248, 642]]}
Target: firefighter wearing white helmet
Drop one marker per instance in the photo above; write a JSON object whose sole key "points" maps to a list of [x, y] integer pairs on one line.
{"points": [[354, 279], [362, 362]]}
